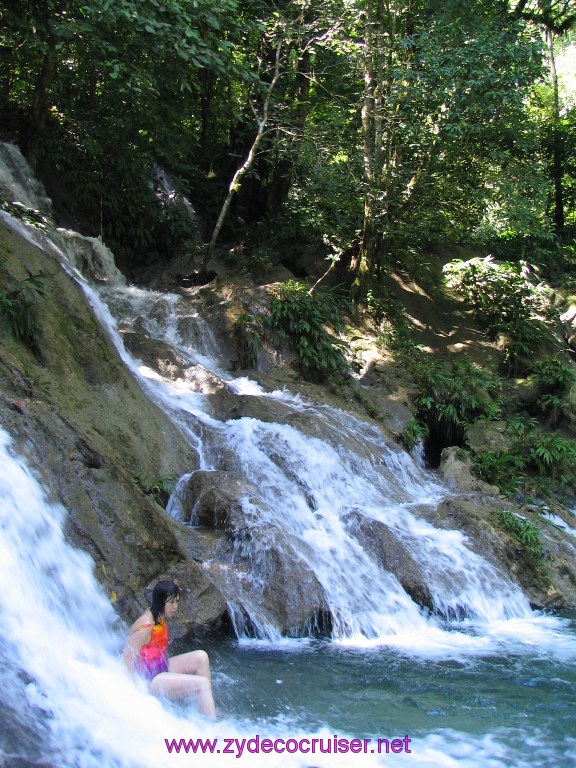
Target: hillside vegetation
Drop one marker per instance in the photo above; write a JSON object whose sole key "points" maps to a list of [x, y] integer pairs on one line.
{"points": [[388, 188]]}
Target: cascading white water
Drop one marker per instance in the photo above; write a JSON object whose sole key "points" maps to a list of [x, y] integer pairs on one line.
{"points": [[67, 701], [352, 469], [60, 628], [307, 488], [19, 183], [164, 189]]}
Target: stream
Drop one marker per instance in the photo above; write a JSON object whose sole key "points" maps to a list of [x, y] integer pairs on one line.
{"points": [[480, 680]]}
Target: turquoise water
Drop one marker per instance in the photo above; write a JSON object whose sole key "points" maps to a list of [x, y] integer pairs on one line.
{"points": [[515, 710]]}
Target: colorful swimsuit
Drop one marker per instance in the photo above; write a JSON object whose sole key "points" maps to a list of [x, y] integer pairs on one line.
{"points": [[152, 658]]}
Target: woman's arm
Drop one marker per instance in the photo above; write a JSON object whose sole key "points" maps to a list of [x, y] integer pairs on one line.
{"points": [[139, 637]]}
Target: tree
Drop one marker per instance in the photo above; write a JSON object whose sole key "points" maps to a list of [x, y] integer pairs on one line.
{"points": [[555, 18], [104, 90], [444, 85], [261, 123]]}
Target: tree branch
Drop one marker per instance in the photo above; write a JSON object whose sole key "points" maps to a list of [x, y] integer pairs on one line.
{"points": [[247, 164]]}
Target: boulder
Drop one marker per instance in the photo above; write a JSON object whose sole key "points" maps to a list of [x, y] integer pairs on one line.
{"points": [[455, 469], [213, 499], [487, 436], [388, 548], [86, 428], [251, 560]]}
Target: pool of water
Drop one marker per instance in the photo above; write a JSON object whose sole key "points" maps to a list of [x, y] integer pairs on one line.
{"points": [[516, 709]]}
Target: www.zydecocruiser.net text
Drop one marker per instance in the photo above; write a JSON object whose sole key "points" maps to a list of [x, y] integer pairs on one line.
{"points": [[258, 745]]}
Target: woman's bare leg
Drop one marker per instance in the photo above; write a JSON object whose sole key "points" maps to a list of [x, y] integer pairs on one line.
{"points": [[192, 663], [188, 673]]}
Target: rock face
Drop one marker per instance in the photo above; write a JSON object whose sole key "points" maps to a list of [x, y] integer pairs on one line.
{"points": [[86, 428], [100, 445], [84, 425], [455, 468], [286, 592], [390, 551], [549, 582]]}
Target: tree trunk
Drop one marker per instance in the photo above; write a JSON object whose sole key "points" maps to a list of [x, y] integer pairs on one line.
{"points": [[376, 147], [283, 170], [207, 80], [39, 110], [262, 121], [557, 165]]}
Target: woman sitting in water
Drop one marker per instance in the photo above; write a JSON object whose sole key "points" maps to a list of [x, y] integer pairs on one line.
{"points": [[145, 653]]}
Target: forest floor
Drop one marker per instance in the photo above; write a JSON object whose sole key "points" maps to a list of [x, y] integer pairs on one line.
{"points": [[439, 320]]}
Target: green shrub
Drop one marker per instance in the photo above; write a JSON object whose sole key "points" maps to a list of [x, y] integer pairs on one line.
{"points": [[523, 531], [453, 395], [554, 379], [536, 457], [551, 454], [553, 376], [159, 488], [506, 470], [17, 306], [248, 334], [507, 300], [304, 318], [413, 434]]}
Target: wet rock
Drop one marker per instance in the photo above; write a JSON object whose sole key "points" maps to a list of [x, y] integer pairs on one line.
{"points": [[87, 429], [214, 499], [388, 548], [549, 582], [202, 606], [170, 365], [455, 469], [253, 561], [225, 405], [487, 436]]}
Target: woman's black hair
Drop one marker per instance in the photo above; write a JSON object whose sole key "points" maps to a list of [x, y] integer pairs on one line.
{"points": [[162, 593]]}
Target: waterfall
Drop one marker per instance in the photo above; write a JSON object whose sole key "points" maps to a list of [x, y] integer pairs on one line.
{"points": [[66, 699], [18, 185], [60, 669], [322, 489], [318, 485], [164, 189]]}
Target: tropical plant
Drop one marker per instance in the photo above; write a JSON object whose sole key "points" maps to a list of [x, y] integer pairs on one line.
{"points": [[248, 334], [507, 300], [413, 434], [18, 306], [554, 379], [535, 458], [160, 488], [506, 470], [454, 394], [523, 531], [553, 376], [311, 322], [551, 454]]}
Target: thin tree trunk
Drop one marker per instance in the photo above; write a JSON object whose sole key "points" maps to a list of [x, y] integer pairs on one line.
{"points": [[376, 140], [557, 169], [39, 111], [283, 170], [45, 80], [246, 165]]}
